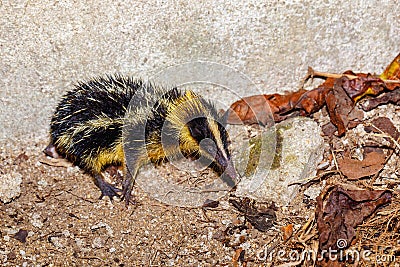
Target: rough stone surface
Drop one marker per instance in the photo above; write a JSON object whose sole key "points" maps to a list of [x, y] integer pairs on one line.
{"points": [[46, 46], [10, 186], [298, 151]]}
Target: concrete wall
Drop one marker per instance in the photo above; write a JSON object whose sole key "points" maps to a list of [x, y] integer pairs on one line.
{"points": [[46, 46]]}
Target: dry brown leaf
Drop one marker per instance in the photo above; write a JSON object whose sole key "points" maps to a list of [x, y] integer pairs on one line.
{"points": [[354, 169], [262, 109], [364, 84], [313, 100], [392, 97], [340, 210], [339, 92], [342, 111], [260, 217], [383, 125], [287, 231]]}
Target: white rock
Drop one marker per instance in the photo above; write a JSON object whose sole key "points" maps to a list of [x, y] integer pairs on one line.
{"points": [[289, 154], [98, 242], [42, 183], [315, 190], [108, 228], [36, 220], [10, 186], [56, 241]]}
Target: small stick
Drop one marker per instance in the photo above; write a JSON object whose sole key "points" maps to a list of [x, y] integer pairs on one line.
{"points": [[313, 73], [373, 179], [313, 178], [336, 163]]}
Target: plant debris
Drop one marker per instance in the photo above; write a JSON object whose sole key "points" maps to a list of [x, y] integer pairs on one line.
{"points": [[385, 98], [259, 217], [340, 93], [263, 109], [355, 169], [340, 210], [342, 111], [238, 258], [21, 235], [383, 125], [208, 203], [287, 232]]}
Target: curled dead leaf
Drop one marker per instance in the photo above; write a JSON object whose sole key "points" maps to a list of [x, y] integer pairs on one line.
{"points": [[339, 93], [364, 84], [392, 97], [263, 109], [340, 210], [260, 217]]}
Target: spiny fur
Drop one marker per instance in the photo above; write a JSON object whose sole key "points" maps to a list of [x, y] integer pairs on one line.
{"points": [[87, 126]]}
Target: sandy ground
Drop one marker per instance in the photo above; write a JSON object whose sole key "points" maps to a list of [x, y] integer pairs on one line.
{"points": [[68, 225]]}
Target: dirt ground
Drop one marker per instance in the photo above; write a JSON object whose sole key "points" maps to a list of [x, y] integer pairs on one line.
{"points": [[66, 224]]}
